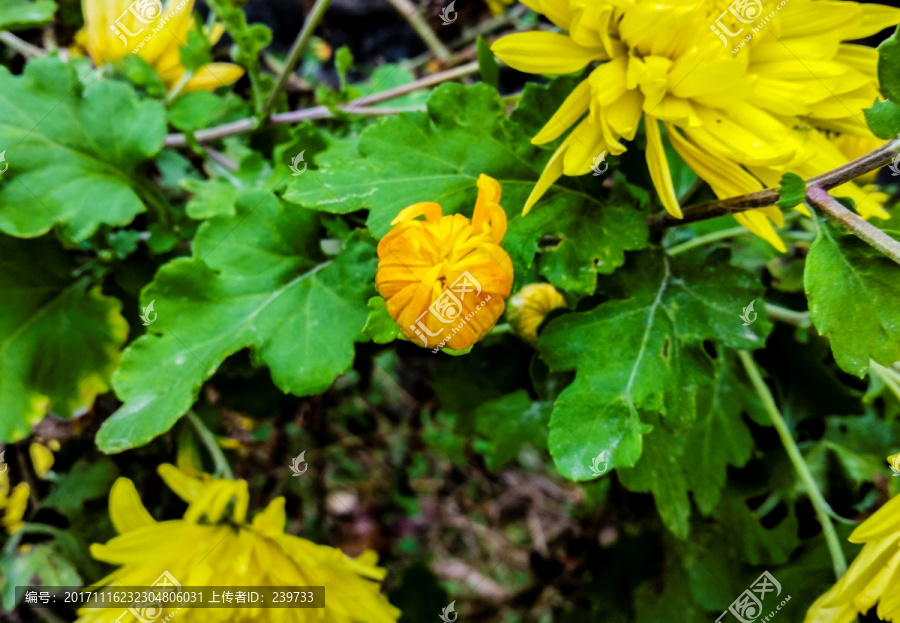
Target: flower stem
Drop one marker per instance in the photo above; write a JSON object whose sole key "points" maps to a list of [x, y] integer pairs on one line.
{"points": [[831, 207], [764, 198], [789, 316], [699, 241], [823, 510], [309, 26], [223, 469]]}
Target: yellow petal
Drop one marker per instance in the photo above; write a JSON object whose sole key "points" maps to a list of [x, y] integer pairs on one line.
{"points": [[552, 172], [544, 53], [659, 168], [884, 522], [875, 18], [182, 485], [572, 109], [126, 511], [214, 75]]}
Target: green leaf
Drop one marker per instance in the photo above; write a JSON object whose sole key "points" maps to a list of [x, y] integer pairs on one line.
{"points": [[659, 472], [42, 565], [429, 156], [87, 480], [792, 192], [889, 67], [574, 263], [380, 327], [508, 424], [255, 287], [853, 292], [72, 150], [883, 119], [21, 14], [487, 63], [59, 337], [643, 353], [719, 438], [216, 197]]}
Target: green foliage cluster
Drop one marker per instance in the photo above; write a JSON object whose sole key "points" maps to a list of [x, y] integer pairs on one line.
{"points": [[252, 272]]}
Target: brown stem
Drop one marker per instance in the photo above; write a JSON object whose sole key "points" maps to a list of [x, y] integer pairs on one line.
{"points": [[828, 205], [323, 112], [764, 198]]}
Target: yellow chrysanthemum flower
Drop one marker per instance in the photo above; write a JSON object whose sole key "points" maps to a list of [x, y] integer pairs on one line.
{"points": [[530, 305], [12, 504], [874, 577], [740, 116], [445, 279], [215, 545], [115, 28]]}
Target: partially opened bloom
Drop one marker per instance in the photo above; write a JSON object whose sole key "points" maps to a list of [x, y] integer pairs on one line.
{"points": [[740, 115], [530, 305], [445, 278], [116, 28], [215, 545], [874, 576]]}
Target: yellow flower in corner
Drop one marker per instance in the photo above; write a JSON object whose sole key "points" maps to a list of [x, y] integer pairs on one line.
{"points": [[116, 28], [445, 279], [743, 92], [530, 305], [873, 578], [215, 545]]}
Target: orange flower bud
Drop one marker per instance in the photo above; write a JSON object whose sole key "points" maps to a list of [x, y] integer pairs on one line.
{"points": [[445, 279]]}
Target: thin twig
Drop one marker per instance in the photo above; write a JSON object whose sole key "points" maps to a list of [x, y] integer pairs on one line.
{"points": [[410, 13], [222, 159], [309, 26], [323, 112], [823, 202], [22, 47], [764, 198]]}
